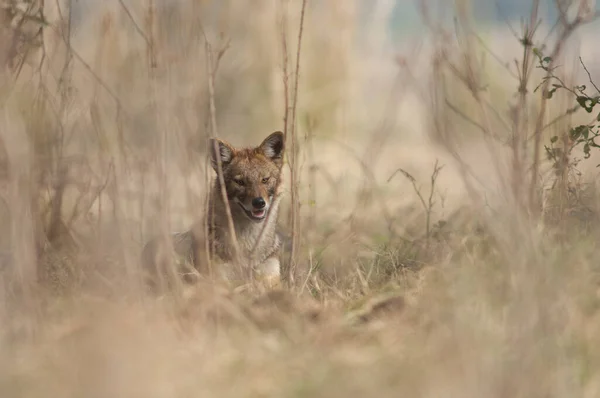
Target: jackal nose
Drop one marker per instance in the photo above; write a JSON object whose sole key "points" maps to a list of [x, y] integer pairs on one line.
{"points": [[258, 203]]}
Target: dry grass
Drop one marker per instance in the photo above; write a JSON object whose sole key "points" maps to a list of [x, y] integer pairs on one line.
{"points": [[474, 279]]}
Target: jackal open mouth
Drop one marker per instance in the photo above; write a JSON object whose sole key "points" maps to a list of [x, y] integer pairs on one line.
{"points": [[254, 214]]}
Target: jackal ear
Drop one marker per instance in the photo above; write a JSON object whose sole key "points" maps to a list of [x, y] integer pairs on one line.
{"points": [[273, 146], [224, 151]]}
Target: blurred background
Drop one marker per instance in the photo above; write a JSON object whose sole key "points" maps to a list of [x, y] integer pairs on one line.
{"points": [[441, 196]]}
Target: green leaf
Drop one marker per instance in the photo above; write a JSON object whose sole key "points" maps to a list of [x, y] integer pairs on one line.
{"points": [[598, 117], [554, 139], [583, 102], [586, 151], [578, 131], [550, 93]]}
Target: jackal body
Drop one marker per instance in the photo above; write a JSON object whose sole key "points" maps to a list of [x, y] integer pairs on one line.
{"points": [[252, 180]]}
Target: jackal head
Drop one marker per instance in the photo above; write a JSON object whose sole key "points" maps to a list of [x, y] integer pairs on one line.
{"points": [[252, 176]]}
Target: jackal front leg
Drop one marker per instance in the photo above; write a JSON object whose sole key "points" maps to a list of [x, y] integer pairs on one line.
{"points": [[268, 273]]}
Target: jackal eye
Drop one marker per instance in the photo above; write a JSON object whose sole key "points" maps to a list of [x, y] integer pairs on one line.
{"points": [[239, 181], [265, 180]]}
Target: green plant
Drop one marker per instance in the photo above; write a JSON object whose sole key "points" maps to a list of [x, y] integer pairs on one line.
{"points": [[582, 134]]}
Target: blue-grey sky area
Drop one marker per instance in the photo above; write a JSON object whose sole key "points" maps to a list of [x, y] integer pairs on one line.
{"points": [[407, 14]]}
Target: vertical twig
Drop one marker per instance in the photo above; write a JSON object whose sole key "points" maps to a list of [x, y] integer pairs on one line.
{"points": [[521, 114], [151, 47], [208, 222], [312, 175], [163, 149], [210, 68], [69, 54], [294, 150], [286, 96], [61, 169], [211, 128]]}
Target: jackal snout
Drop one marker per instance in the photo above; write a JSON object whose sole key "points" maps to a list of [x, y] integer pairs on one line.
{"points": [[255, 205]]}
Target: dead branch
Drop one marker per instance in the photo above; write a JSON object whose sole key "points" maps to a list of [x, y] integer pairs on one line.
{"points": [[427, 204], [294, 144], [210, 65]]}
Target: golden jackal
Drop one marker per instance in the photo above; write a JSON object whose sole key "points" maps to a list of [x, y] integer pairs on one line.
{"points": [[253, 186]]}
